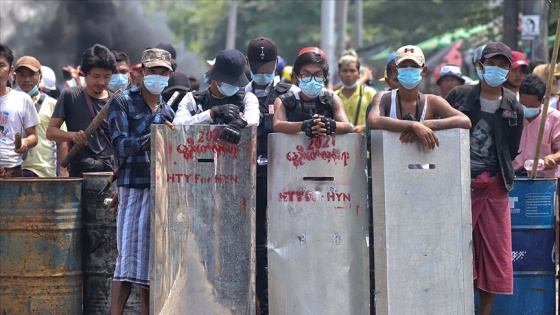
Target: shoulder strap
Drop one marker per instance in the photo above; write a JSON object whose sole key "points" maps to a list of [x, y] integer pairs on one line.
{"points": [[423, 101], [40, 101], [93, 114], [359, 104], [282, 87]]}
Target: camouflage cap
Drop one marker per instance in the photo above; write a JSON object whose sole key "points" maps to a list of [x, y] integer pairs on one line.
{"points": [[155, 57]]}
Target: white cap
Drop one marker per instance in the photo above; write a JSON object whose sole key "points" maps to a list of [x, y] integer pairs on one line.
{"points": [[211, 62], [49, 78]]}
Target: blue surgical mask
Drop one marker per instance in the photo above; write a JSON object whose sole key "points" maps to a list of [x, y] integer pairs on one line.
{"points": [[33, 91], [349, 87], [311, 88], [409, 77], [530, 112], [155, 83], [118, 81], [262, 78], [479, 74], [228, 89], [495, 76]]}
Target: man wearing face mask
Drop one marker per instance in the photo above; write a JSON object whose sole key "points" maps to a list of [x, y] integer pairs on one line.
{"points": [[40, 161], [476, 58], [531, 95], [120, 80], [406, 110], [354, 96], [130, 137], [77, 106], [312, 110], [497, 120], [223, 101], [263, 59]]}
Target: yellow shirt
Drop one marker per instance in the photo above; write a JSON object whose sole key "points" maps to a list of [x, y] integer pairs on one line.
{"points": [[351, 103], [41, 159]]}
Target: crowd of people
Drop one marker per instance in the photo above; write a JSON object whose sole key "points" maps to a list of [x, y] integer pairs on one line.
{"points": [[502, 110]]}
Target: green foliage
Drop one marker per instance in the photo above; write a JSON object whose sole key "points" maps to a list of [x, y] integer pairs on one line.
{"points": [[294, 24], [413, 21]]}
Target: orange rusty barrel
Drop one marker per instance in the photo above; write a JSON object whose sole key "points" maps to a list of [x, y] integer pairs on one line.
{"points": [[40, 246], [100, 248]]}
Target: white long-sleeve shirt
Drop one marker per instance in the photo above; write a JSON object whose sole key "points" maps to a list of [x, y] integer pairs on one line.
{"points": [[183, 115]]}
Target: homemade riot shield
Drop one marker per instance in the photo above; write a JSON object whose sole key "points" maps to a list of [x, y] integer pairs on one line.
{"points": [[422, 225], [203, 190], [318, 225]]}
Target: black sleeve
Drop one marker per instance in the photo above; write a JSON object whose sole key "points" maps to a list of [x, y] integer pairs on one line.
{"points": [[59, 109]]}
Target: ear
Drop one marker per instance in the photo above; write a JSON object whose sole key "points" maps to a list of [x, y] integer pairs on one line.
{"points": [[424, 70], [394, 70]]}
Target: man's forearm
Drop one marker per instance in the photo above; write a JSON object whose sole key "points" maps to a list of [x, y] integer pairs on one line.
{"points": [[390, 124], [448, 123]]}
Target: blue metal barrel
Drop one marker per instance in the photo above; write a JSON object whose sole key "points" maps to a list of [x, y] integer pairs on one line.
{"points": [[532, 204], [100, 248], [40, 246]]}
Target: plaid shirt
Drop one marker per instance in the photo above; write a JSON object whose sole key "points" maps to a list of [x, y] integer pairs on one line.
{"points": [[130, 119]]}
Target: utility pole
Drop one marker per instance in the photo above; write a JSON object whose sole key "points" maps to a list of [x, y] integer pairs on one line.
{"points": [[327, 30], [535, 42], [511, 20], [358, 20], [341, 21], [232, 24]]}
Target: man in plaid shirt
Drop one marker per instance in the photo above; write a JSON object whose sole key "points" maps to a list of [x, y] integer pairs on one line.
{"points": [[131, 114]]}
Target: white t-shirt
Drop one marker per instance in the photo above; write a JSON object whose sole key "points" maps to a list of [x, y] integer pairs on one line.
{"points": [[17, 113]]}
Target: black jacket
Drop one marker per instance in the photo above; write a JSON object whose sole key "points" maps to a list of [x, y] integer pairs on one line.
{"points": [[508, 124]]}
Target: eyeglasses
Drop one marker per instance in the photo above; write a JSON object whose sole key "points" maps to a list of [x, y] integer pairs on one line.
{"points": [[307, 79]]}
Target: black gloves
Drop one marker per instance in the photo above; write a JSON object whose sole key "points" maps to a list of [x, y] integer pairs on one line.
{"points": [[306, 126], [227, 112], [330, 125], [232, 131]]}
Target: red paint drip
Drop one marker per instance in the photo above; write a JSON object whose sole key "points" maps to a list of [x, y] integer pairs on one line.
{"points": [[357, 209], [244, 203]]}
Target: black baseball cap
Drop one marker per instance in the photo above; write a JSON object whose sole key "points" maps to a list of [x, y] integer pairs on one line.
{"points": [[168, 47], [262, 55], [178, 81], [229, 68], [496, 48]]}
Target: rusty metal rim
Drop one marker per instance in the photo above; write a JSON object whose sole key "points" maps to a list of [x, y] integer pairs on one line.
{"points": [[41, 179]]}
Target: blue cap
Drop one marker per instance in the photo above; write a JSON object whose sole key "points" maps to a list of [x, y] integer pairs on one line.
{"points": [[280, 66], [392, 56]]}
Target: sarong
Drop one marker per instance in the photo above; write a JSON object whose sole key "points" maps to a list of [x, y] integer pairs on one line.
{"points": [[133, 236], [492, 263]]}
